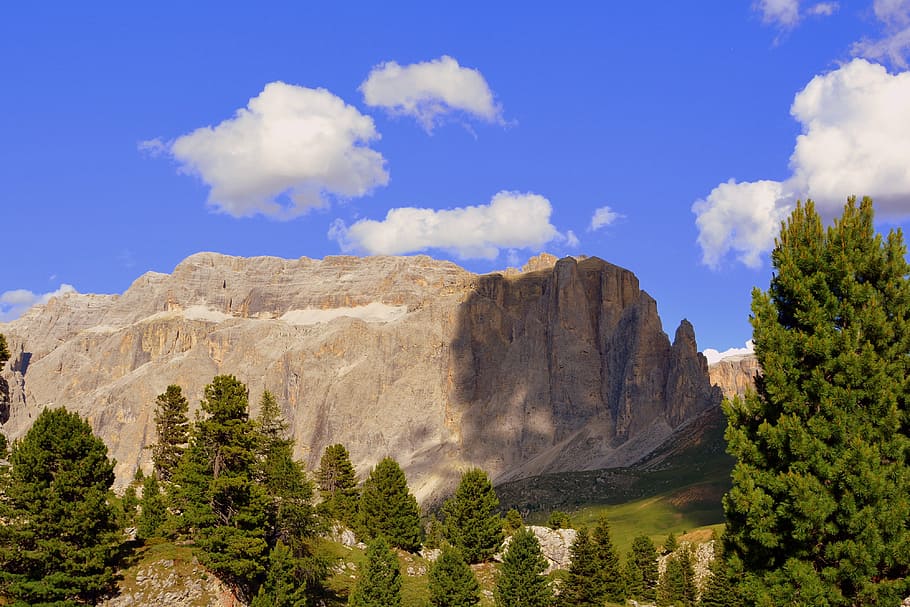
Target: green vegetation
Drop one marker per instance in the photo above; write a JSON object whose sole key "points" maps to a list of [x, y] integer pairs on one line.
{"points": [[59, 541], [379, 582], [4, 351], [677, 585], [641, 570], [472, 522], [153, 508], [388, 509], [520, 582], [818, 513], [338, 485], [172, 426], [558, 520], [451, 581]]}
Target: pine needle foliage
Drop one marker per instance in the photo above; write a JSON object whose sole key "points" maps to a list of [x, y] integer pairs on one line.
{"points": [[173, 428], [818, 513], [338, 485], [388, 509], [451, 581], [472, 521], [379, 583], [641, 570], [59, 538], [521, 582]]}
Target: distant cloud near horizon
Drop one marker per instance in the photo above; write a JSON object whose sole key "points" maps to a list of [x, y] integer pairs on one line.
{"points": [[430, 90], [14, 303], [714, 356], [511, 220], [290, 150], [855, 140]]}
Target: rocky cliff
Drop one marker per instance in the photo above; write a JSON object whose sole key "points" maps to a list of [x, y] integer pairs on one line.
{"points": [[561, 367], [735, 375]]}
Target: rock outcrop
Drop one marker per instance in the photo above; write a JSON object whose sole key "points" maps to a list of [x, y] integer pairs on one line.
{"points": [[562, 367], [735, 375]]}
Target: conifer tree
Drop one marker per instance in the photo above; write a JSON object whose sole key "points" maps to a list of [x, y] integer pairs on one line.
{"points": [[558, 520], [641, 570], [579, 589], [281, 587], [388, 509], [172, 425], [451, 581], [609, 583], [152, 508], [472, 521], [513, 521], [379, 584], [4, 351], [818, 513], [719, 588], [671, 591], [520, 582], [59, 536], [338, 484]]}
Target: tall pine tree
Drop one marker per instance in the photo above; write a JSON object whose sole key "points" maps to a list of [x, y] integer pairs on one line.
{"points": [[579, 589], [338, 485], [173, 428], [521, 582], [472, 522], [451, 581], [388, 509], [379, 582], [609, 582], [818, 513], [641, 570], [59, 537]]}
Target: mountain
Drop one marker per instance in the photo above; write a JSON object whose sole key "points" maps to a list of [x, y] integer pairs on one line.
{"points": [[734, 375], [563, 366]]}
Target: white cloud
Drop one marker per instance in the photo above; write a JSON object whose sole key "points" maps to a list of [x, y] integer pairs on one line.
{"points": [[14, 303], [894, 45], [290, 150], [823, 9], [855, 140], [429, 90], [572, 240], [603, 217], [511, 220], [784, 13], [714, 356]]}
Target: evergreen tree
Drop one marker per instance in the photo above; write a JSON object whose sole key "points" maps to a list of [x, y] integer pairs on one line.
{"points": [[172, 426], [379, 584], [513, 521], [59, 537], [388, 509], [152, 508], [671, 591], [558, 520], [818, 513], [129, 503], [4, 351], [641, 570], [451, 581], [472, 522], [579, 589], [609, 583], [520, 582], [338, 484], [720, 585], [670, 545], [281, 587]]}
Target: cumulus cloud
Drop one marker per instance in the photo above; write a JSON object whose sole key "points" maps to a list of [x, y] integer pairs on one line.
{"points": [[855, 140], [512, 220], [290, 150], [894, 45], [572, 240], [14, 303], [603, 217], [430, 90], [714, 356]]}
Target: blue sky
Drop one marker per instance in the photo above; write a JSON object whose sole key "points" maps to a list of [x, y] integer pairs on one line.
{"points": [[484, 133]]}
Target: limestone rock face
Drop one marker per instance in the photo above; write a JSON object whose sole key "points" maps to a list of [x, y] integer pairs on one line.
{"points": [[561, 367], [735, 375]]}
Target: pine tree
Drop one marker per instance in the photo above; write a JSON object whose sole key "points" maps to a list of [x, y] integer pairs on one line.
{"points": [[558, 520], [818, 513], [4, 351], [338, 484], [59, 537], [608, 582], [472, 521], [388, 509], [671, 591], [513, 521], [172, 426], [670, 545], [451, 581], [379, 584], [281, 587], [641, 570], [520, 582], [720, 584], [579, 589], [152, 508]]}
